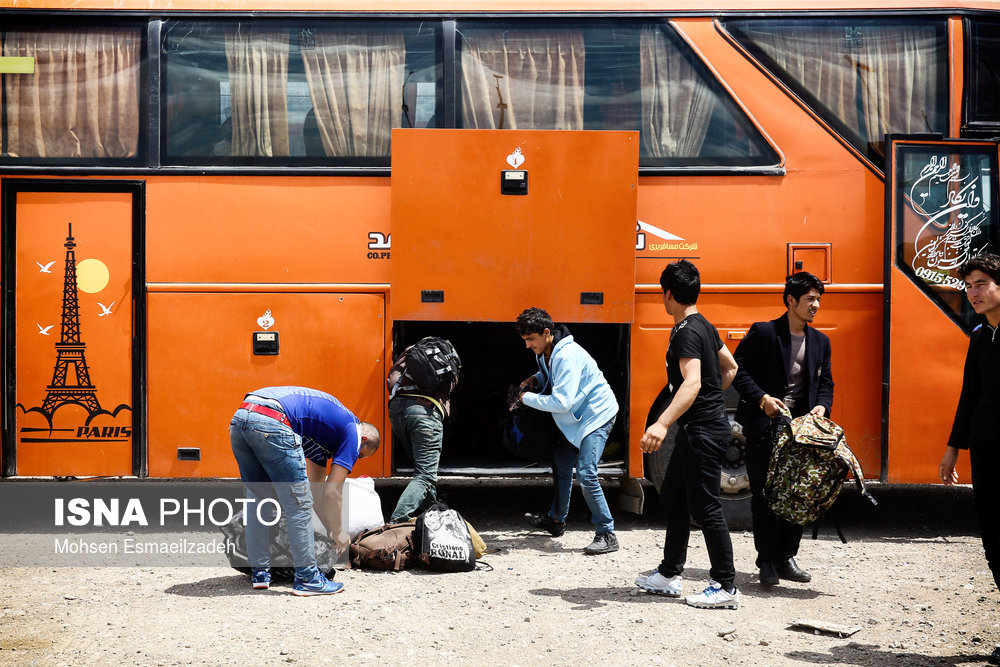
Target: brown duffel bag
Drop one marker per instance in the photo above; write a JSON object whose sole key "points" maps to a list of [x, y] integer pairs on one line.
{"points": [[387, 548]]}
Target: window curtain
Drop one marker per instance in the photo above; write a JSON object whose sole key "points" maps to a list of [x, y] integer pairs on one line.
{"points": [[82, 100], [355, 80], [897, 73], [677, 104], [873, 79], [258, 84], [522, 79]]}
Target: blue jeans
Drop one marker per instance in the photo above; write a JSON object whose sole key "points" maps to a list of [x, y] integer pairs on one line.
{"points": [[418, 428], [271, 463], [585, 459]]}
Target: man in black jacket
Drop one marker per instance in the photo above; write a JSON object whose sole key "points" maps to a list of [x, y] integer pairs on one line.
{"points": [[784, 362], [977, 419]]}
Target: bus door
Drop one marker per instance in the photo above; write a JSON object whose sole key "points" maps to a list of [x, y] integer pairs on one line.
{"points": [[941, 210], [486, 223], [70, 307]]}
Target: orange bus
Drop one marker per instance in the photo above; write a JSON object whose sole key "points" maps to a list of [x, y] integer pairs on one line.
{"points": [[201, 198]]}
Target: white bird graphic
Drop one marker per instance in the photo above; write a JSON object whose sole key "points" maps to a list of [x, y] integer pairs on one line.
{"points": [[43, 330], [46, 268], [106, 309]]}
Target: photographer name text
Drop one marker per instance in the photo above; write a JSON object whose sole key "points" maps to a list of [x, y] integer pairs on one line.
{"points": [[131, 545]]}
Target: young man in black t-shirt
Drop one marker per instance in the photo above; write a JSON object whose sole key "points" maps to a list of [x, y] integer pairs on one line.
{"points": [[699, 368]]}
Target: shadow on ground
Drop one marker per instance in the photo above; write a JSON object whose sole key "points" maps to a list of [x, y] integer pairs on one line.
{"points": [[904, 512], [870, 654]]}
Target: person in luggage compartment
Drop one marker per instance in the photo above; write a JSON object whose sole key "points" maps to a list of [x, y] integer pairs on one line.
{"points": [[569, 385]]}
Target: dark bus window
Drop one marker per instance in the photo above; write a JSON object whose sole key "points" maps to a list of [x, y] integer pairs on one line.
{"points": [[983, 75], [866, 78], [260, 92], [72, 94], [946, 214], [604, 75]]}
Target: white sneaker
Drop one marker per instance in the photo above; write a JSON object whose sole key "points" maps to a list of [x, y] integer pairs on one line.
{"points": [[715, 597], [657, 583]]}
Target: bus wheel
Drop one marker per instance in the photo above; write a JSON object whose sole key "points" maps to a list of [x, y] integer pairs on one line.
{"points": [[734, 486]]}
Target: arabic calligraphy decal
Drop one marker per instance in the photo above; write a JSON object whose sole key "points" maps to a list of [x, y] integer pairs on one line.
{"points": [[954, 211]]}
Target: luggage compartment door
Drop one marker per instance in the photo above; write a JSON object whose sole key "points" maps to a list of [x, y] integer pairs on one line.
{"points": [[486, 223]]}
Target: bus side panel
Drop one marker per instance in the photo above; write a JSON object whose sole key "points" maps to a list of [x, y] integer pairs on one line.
{"points": [[743, 237], [851, 320], [925, 376], [243, 229], [201, 364]]}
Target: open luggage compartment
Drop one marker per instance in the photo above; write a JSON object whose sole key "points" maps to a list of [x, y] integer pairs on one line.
{"points": [[477, 438]]}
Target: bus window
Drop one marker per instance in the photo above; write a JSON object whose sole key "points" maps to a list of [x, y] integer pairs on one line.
{"points": [[946, 214], [604, 75], [270, 93], [71, 94], [983, 77], [866, 78]]}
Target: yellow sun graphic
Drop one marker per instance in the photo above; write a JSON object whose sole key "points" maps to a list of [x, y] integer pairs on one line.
{"points": [[92, 275]]}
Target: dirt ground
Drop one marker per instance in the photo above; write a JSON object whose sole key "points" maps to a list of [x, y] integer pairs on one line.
{"points": [[911, 576]]}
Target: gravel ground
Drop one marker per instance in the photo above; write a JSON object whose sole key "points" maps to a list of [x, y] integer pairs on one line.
{"points": [[912, 576]]}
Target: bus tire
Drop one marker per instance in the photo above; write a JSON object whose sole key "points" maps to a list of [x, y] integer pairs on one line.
{"points": [[734, 486]]}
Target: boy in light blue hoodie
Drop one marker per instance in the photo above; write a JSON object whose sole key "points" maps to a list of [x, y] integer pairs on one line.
{"points": [[569, 385]]}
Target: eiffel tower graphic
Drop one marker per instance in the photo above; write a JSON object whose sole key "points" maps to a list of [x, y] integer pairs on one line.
{"points": [[70, 377]]}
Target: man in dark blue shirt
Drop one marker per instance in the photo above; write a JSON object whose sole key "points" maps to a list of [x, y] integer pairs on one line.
{"points": [[282, 438]]}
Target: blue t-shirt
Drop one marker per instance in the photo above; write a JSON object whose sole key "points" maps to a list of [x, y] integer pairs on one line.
{"points": [[328, 429]]}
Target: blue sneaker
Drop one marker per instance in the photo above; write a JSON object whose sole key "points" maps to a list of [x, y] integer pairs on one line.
{"points": [[318, 585], [261, 579]]}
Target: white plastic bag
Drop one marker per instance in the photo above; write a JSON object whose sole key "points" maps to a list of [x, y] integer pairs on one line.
{"points": [[362, 508]]}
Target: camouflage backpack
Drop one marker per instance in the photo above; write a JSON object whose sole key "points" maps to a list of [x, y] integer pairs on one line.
{"points": [[808, 467]]}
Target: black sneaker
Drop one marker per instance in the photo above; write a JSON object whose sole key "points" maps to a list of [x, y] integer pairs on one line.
{"points": [[546, 523], [604, 543]]}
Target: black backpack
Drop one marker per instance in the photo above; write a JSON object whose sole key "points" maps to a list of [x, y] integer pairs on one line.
{"points": [[433, 364], [443, 541]]}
